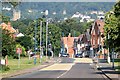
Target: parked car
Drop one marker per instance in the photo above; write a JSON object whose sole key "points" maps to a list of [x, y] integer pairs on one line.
{"points": [[64, 55], [78, 55], [32, 54]]}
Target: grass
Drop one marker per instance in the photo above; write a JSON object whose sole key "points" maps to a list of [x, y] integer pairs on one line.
{"points": [[24, 64], [117, 64]]}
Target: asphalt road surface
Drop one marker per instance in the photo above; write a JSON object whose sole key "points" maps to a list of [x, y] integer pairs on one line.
{"points": [[67, 68]]}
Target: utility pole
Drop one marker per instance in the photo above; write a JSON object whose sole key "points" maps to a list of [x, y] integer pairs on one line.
{"points": [[113, 58], [46, 37], [35, 42], [40, 40], [108, 50]]}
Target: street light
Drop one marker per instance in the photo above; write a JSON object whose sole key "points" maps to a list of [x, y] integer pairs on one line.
{"points": [[108, 50], [46, 13], [41, 51]]}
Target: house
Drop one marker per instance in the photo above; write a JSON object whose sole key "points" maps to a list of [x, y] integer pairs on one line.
{"points": [[77, 15], [85, 18], [97, 39], [93, 12], [84, 43], [68, 44]]}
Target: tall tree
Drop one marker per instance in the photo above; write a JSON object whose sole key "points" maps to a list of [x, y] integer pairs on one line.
{"points": [[112, 27], [8, 43]]}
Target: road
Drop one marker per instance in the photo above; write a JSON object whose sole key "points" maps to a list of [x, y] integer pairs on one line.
{"points": [[67, 68]]}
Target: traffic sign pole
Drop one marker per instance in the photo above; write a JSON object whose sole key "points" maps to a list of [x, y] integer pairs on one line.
{"points": [[19, 60], [19, 51]]}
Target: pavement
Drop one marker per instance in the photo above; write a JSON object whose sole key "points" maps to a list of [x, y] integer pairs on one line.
{"points": [[30, 70], [108, 71]]}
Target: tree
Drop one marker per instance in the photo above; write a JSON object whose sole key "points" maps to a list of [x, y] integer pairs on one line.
{"points": [[54, 37], [5, 19], [8, 43], [25, 41], [73, 26], [112, 27]]}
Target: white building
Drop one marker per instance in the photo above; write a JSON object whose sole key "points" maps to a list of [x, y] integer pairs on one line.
{"points": [[87, 18], [54, 13], [6, 8], [64, 12], [16, 15], [93, 12], [77, 15], [100, 17], [101, 13]]}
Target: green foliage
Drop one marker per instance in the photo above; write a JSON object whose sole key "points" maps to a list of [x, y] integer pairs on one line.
{"points": [[117, 9], [54, 37], [73, 26], [20, 25], [14, 3], [5, 19], [8, 43], [4, 68], [25, 41], [70, 7], [112, 27], [23, 50]]}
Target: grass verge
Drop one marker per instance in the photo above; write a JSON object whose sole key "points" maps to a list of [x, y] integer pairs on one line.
{"points": [[25, 63]]}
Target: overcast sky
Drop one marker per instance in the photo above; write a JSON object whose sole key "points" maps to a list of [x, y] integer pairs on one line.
{"points": [[65, 0]]}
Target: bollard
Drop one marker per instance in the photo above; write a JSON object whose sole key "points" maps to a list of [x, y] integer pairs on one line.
{"points": [[34, 60]]}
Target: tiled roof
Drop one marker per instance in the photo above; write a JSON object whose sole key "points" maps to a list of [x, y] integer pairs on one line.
{"points": [[100, 25]]}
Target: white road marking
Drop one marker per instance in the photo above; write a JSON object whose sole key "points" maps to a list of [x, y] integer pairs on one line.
{"points": [[63, 74], [83, 60], [59, 66]]}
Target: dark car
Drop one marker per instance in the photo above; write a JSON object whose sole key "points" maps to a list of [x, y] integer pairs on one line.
{"points": [[64, 55], [78, 55]]}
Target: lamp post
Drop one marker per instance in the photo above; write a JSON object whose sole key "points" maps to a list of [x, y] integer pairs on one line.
{"points": [[46, 37], [108, 50], [40, 42], [46, 13], [35, 42]]}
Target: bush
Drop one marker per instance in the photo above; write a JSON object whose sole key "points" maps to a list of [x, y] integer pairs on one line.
{"points": [[15, 56], [5, 68]]}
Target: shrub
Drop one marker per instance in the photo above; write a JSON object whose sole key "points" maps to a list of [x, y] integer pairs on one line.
{"points": [[5, 68]]}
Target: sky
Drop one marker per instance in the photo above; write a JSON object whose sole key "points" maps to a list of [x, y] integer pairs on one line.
{"points": [[64, 0]]}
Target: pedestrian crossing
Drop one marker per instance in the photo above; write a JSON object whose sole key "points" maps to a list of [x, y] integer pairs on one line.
{"points": [[59, 66]]}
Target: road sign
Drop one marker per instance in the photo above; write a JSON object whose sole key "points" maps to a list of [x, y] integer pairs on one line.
{"points": [[19, 50]]}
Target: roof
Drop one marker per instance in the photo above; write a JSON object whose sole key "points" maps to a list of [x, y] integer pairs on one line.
{"points": [[100, 25], [20, 35]]}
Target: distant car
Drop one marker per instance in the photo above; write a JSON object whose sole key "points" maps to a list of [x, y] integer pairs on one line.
{"points": [[78, 55], [32, 54], [64, 55]]}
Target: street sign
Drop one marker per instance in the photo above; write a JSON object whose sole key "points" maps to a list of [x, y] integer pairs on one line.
{"points": [[19, 50], [2, 62]]}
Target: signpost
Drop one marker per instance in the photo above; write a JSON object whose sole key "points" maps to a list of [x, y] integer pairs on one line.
{"points": [[19, 51]]}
